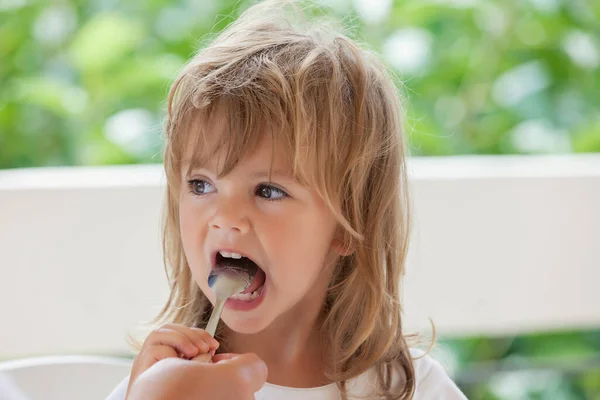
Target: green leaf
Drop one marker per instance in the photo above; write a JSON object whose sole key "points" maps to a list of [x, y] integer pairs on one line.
{"points": [[51, 94], [104, 40]]}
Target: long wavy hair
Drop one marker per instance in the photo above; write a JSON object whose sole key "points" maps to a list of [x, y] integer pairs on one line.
{"points": [[335, 109]]}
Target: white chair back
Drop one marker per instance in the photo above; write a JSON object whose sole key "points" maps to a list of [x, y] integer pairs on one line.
{"points": [[61, 377]]}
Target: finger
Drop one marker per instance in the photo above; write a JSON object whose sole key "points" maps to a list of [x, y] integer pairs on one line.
{"points": [[199, 337], [153, 354], [212, 343], [174, 339], [223, 356], [248, 369], [203, 358], [193, 336]]}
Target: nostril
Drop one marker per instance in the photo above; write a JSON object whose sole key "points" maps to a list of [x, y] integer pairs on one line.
{"points": [[222, 222], [234, 228]]}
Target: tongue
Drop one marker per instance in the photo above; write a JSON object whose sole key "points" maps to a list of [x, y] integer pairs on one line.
{"points": [[258, 281]]}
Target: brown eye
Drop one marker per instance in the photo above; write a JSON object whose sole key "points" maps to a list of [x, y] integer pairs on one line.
{"points": [[270, 192], [265, 192], [198, 186]]}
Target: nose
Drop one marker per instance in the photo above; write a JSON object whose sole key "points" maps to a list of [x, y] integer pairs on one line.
{"points": [[229, 217]]}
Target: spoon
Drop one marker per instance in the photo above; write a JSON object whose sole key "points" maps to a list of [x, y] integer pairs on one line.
{"points": [[225, 282]]}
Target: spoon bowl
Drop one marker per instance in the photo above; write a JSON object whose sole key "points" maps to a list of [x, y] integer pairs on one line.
{"points": [[226, 282]]}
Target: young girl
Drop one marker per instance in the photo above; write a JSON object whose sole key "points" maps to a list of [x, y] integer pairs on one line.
{"points": [[284, 149]]}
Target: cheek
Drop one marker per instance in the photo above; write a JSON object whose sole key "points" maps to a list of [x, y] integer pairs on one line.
{"points": [[191, 223], [186, 228], [299, 248], [192, 238]]}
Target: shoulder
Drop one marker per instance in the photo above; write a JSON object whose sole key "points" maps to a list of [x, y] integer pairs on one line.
{"points": [[432, 381], [120, 391]]}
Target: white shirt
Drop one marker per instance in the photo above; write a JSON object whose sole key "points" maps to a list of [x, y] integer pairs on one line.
{"points": [[9, 389], [432, 383]]}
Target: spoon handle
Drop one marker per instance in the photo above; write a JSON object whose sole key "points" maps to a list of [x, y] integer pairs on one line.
{"points": [[211, 327]]}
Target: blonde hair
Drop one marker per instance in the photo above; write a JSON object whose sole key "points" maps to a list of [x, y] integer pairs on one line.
{"points": [[334, 107]]}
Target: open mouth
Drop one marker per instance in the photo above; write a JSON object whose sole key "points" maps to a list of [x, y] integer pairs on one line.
{"points": [[224, 259]]}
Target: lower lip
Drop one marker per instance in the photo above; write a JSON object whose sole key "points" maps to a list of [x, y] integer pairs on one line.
{"points": [[240, 305]]}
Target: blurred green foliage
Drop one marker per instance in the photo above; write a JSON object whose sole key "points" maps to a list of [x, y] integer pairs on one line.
{"points": [[557, 366], [84, 82]]}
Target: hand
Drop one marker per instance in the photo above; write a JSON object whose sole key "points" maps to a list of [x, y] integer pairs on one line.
{"points": [[172, 341], [227, 377]]}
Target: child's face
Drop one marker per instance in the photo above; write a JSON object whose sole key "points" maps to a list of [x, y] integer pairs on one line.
{"points": [[284, 227]]}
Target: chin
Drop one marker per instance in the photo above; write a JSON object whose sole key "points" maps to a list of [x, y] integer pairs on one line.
{"points": [[246, 326]]}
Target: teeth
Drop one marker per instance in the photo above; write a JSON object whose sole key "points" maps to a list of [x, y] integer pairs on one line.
{"points": [[247, 296], [230, 255]]}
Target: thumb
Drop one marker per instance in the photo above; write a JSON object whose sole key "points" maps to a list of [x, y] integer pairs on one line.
{"points": [[223, 356], [248, 367]]}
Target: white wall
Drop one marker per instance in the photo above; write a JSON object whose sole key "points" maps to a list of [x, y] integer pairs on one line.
{"points": [[500, 244]]}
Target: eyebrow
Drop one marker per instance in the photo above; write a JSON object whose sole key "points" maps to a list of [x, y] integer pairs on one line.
{"points": [[256, 174], [265, 174]]}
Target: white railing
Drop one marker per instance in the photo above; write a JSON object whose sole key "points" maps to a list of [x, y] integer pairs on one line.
{"points": [[500, 245]]}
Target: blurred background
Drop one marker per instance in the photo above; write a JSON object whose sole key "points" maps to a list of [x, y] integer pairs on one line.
{"points": [[84, 82]]}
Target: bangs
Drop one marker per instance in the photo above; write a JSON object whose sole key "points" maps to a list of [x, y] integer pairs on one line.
{"points": [[229, 129]]}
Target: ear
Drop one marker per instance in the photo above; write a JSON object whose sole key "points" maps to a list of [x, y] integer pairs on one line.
{"points": [[342, 242]]}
